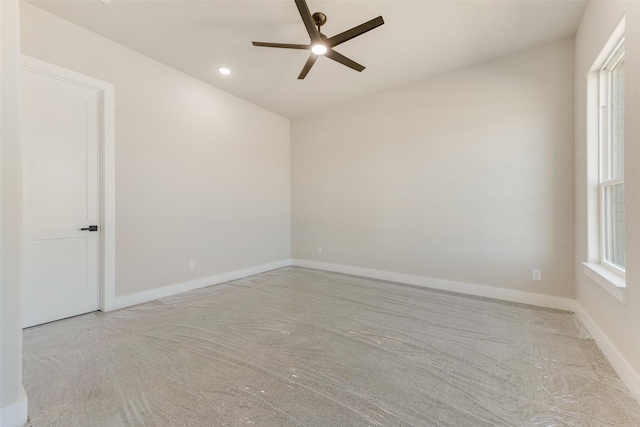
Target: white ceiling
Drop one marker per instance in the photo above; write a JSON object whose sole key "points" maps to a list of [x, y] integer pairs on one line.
{"points": [[419, 39]]}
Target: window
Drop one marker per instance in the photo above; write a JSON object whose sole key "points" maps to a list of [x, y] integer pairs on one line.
{"points": [[611, 181], [605, 167]]}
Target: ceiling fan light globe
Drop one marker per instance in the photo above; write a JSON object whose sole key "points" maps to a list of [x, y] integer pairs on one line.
{"points": [[319, 49]]}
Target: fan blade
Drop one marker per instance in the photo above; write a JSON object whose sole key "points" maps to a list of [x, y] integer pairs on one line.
{"points": [[305, 14], [305, 70], [343, 60], [355, 32], [282, 45]]}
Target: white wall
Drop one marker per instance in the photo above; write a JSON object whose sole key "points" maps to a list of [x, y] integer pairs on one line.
{"points": [[200, 174], [466, 177], [13, 403], [618, 322]]}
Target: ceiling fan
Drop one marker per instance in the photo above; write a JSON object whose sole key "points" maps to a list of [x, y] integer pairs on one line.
{"points": [[320, 44]]}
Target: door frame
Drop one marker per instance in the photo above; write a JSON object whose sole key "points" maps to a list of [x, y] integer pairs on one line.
{"points": [[106, 92]]}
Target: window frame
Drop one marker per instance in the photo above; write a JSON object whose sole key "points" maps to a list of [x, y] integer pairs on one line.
{"points": [[605, 181], [609, 277]]}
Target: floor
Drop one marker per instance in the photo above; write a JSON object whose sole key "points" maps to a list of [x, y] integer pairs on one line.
{"points": [[301, 347]]}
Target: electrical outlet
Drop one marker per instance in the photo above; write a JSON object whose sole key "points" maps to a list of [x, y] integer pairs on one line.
{"points": [[536, 274], [319, 249], [192, 264]]}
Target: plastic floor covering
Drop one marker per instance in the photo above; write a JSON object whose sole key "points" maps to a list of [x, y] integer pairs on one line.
{"points": [[300, 347]]}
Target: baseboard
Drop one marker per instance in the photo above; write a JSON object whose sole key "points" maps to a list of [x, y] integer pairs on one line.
{"points": [[540, 300], [622, 367], [15, 415], [154, 294]]}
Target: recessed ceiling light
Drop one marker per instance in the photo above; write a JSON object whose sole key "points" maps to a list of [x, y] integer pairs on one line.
{"points": [[224, 70]]}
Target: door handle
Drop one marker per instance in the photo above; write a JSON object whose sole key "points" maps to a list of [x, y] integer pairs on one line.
{"points": [[90, 228]]}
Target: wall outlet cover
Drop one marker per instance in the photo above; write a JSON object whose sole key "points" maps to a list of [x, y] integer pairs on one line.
{"points": [[536, 274]]}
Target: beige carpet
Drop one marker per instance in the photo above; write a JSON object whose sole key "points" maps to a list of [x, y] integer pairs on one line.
{"points": [[299, 347]]}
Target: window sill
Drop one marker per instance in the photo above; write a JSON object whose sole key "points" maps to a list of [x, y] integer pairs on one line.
{"points": [[611, 282]]}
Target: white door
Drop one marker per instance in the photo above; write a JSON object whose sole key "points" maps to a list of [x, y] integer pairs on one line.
{"points": [[61, 184]]}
